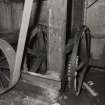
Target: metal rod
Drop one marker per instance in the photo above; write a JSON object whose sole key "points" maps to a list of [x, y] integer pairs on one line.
{"points": [[92, 92]]}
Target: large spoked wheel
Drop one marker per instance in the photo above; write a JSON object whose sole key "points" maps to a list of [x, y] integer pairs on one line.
{"points": [[79, 59], [37, 50], [7, 60]]}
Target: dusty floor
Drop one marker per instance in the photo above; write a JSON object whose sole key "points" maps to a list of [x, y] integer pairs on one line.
{"points": [[97, 80], [26, 95], [22, 94]]}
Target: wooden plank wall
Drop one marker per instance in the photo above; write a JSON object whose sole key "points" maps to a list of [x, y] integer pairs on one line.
{"points": [[11, 15]]}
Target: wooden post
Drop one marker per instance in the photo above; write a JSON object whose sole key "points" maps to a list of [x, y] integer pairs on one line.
{"points": [[56, 38], [77, 13]]}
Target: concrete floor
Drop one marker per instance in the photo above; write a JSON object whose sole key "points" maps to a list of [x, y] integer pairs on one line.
{"points": [[24, 94]]}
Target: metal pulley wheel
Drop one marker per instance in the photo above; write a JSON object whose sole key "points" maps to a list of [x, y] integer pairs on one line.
{"points": [[37, 50], [79, 59], [7, 61]]}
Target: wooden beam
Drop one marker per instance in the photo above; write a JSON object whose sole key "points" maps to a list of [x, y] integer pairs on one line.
{"points": [[77, 13], [22, 39], [56, 38], [43, 81]]}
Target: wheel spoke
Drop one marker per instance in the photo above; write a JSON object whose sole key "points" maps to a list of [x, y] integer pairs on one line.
{"points": [[36, 65], [5, 76], [1, 83], [4, 67], [80, 79]]}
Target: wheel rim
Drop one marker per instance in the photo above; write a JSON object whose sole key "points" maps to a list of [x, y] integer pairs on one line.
{"points": [[76, 61], [9, 54], [38, 48]]}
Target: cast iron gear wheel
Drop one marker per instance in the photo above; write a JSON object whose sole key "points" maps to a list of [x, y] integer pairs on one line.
{"points": [[37, 50], [7, 76], [78, 61]]}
